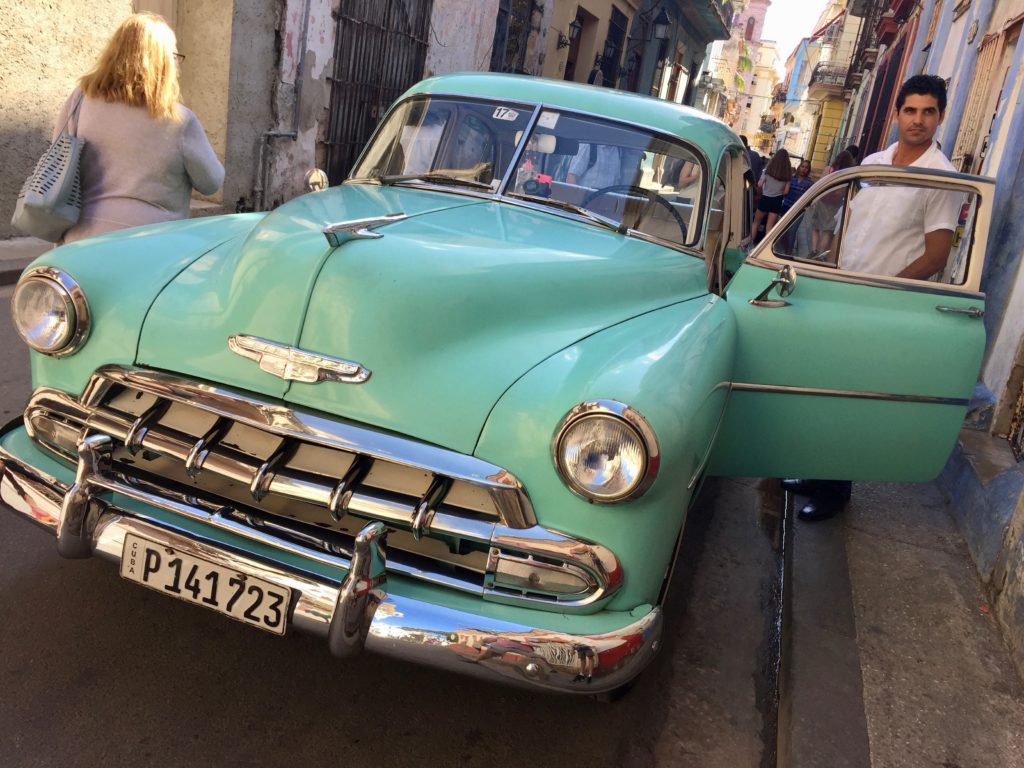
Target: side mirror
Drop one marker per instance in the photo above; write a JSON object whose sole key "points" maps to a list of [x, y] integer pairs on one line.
{"points": [[316, 180], [785, 280]]}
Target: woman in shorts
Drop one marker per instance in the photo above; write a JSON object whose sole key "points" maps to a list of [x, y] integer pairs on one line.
{"points": [[774, 184]]}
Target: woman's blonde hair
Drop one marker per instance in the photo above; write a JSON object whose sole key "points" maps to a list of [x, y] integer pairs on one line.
{"points": [[137, 67]]}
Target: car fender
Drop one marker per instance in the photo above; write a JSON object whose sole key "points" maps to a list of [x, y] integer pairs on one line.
{"points": [[673, 366]]}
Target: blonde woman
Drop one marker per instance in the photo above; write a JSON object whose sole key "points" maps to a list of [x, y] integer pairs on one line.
{"points": [[144, 152]]}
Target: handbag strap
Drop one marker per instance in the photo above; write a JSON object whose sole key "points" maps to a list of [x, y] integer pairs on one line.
{"points": [[73, 115]]}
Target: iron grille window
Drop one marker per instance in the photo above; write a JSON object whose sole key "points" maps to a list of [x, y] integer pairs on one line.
{"points": [[613, 47], [508, 54]]}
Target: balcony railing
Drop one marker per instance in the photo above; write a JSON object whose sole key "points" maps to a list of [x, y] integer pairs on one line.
{"points": [[828, 76]]}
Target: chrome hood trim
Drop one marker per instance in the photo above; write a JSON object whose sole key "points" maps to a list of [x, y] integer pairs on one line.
{"points": [[293, 364]]}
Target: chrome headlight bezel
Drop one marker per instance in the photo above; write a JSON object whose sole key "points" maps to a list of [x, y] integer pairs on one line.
{"points": [[75, 303], [632, 420]]}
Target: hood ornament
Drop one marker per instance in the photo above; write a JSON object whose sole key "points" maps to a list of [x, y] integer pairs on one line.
{"points": [[293, 364], [358, 229]]}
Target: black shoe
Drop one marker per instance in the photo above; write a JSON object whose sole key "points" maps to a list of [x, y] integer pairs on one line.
{"points": [[800, 486], [821, 509]]}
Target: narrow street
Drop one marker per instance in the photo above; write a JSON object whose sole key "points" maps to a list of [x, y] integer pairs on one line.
{"points": [[886, 655]]}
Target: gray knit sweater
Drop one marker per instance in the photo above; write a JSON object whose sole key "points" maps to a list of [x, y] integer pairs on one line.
{"points": [[136, 169]]}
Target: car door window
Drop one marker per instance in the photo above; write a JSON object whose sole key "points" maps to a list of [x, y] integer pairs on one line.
{"points": [[886, 228]]}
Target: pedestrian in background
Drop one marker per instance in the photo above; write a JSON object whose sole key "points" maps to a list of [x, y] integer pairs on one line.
{"points": [[774, 186], [824, 211], [755, 160], [144, 152], [799, 184]]}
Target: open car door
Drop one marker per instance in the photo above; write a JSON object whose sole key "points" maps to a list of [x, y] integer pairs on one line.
{"points": [[849, 374]]}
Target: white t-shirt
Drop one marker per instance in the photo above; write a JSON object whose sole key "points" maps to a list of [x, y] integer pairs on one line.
{"points": [[888, 223]]}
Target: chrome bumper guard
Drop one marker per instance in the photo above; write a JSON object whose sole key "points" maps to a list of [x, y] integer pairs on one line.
{"points": [[355, 614]]}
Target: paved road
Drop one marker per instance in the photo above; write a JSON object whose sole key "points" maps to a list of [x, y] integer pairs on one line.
{"points": [[96, 671]]}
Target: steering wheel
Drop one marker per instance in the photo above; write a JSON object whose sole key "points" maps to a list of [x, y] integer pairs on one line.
{"points": [[652, 198]]}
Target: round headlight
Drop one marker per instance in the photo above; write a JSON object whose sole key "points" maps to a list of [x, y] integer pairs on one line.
{"points": [[50, 311], [605, 451]]}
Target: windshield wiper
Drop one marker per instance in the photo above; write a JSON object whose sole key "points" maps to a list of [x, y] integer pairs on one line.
{"points": [[597, 218], [436, 178]]}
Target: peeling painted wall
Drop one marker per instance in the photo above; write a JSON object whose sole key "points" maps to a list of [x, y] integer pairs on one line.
{"points": [[461, 36], [250, 85], [304, 68], [40, 60], [203, 28]]}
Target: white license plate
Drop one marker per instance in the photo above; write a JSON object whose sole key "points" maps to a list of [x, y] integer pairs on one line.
{"points": [[238, 595]]}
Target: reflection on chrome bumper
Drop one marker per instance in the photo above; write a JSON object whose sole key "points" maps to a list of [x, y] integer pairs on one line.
{"points": [[355, 612]]}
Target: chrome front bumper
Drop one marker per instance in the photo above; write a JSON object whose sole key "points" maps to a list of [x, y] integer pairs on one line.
{"points": [[357, 612]]}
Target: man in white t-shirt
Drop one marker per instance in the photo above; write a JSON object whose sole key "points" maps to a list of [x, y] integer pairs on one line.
{"points": [[899, 230], [596, 166], [906, 232]]}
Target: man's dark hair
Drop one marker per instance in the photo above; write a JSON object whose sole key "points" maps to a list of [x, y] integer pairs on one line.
{"points": [[746, 143], [854, 150], [923, 85]]}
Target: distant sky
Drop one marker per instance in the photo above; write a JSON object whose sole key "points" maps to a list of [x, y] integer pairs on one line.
{"points": [[788, 21]]}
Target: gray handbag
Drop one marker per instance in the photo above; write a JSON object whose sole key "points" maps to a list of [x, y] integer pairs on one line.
{"points": [[50, 200]]}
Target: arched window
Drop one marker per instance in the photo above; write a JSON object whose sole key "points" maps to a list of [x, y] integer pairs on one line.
{"points": [[750, 28]]}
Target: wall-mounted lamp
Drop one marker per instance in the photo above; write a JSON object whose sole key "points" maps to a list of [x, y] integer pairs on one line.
{"points": [[661, 24], [574, 33], [575, 28]]}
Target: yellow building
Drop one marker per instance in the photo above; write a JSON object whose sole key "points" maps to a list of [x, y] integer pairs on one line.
{"points": [[580, 36], [837, 34]]}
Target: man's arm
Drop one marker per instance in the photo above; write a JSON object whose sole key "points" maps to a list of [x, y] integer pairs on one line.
{"points": [[937, 245], [578, 165]]}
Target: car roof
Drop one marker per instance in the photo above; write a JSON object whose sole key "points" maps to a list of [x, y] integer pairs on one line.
{"points": [[710, 134]]}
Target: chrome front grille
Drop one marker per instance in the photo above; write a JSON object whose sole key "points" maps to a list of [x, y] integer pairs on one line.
{"points": [[314, 481]]}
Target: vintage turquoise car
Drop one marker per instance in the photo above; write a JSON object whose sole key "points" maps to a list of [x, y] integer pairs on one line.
{"points": [[511, 345]]}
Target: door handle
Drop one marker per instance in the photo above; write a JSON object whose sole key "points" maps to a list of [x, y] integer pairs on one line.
{"points": [[969, 311]]}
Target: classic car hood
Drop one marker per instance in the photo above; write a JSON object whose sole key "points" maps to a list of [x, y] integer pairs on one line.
{"points": [[447, 309], [259, 285]]}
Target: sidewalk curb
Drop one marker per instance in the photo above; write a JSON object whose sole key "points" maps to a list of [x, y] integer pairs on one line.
{"points": [[821, 719], [984, 484], [9, 276]]}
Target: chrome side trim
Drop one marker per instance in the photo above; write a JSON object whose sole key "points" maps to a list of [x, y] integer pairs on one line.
{"points": [[401, 627], [294, 364], [849, 393]]}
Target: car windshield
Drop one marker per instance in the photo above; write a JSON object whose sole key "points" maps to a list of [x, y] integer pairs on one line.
{"points": [[613, 174]]}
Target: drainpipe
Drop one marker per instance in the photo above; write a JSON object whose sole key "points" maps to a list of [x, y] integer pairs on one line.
{"points": [[964, 76], [263, 157]]}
